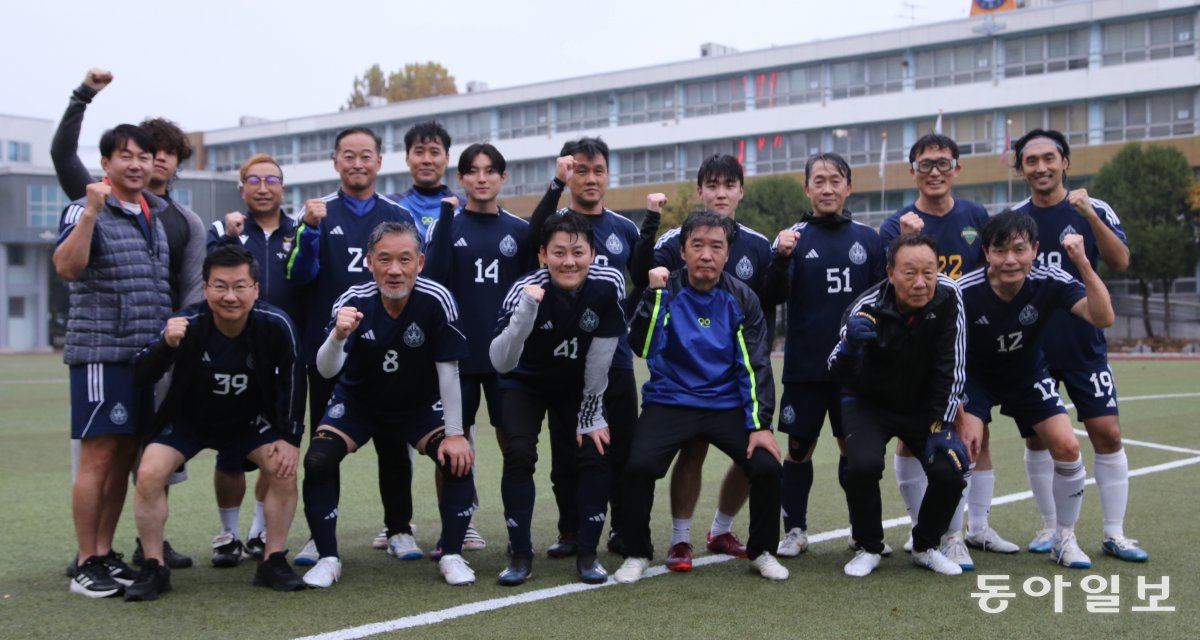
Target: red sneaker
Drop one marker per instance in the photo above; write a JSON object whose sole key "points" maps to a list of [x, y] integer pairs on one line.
{"points": [[728, 544], [680, 557]]}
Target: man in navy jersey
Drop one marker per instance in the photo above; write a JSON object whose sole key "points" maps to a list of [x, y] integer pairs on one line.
{"points": [[1077, 353], [427, 152], [557, 333], [824, 262], [720, 185], [900, 362], [477, 252], [267, 234], [702, 334], [954, 223], [328, 256], [233, 388], [1010, 306], [582, 167], [397, 334]]}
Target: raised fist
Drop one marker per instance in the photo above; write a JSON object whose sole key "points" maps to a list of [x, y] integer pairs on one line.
{"points": [[452, 201], [1072, 243], [786, 242], [176, 328], [346, 322], [97, 193], [535, 292], [1082, 203], [658, 277], [655, 202], [97, 78], [911, 224], [235, 222], [564, 167], [314, 212]]}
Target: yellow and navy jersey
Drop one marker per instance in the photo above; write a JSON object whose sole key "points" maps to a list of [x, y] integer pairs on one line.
{"points": [[957, 233]]}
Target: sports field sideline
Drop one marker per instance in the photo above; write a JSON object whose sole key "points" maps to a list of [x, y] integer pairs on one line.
{"points": [[382, 597]]}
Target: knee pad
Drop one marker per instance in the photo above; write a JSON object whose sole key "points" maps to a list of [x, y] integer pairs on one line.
{"points": [[325, 453], [798, 448]]}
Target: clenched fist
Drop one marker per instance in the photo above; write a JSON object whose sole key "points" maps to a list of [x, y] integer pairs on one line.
{"points": [[314, 212], [235, 222], [564, 167], [655, 202], [346, 322], [176, 329], [1082, 203], [786, 242], [97, 194], [911, 224], [97, 78], [1072, 243], [658, 277], [535, 292]]}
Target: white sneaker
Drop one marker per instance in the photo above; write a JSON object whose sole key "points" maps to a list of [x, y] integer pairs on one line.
{"points": [[989, 540], [473, 541], [794, 543], [935, 560], [955, 551], [455, 570], [853, 545], [768, 567], [1042, 541], [380, 541], [908, 543], [863, 563], [631, 570], [1066, 552], [327, 571], [308, 556], [402, 546]]}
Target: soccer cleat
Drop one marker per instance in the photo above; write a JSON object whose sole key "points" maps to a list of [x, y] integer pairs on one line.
{"points": [[589, 568], [908, 543], [680, 557], [152, 580], [473, 541], [380, 541], [1126, 549], [726, 543], [862, 564], [519, 569], [938, 562], [1066, 552], [768, 567], [92, 580], [794, 543], [117, 568], [174, 559], [276, 573], [989, 540], [615, 543], [566, 546], [402, 546], [308, 555], [256, 546], [227, 551], [1042, 541], [853, 545], [455, 570], [631, 570], [327, 571], [954, 550]]}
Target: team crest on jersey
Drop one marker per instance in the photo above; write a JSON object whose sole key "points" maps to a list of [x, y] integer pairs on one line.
{"points": [[508, 247], [614, 244], [589, 321], [789, 415], [745, 270], [413, 336], [336, 411], [1028, 316], [287, 245], [858, 254], [118, 415], [969, 234], [1066, 232]]}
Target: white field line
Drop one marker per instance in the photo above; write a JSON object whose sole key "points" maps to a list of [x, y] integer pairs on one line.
{"points": [[472, 608]]}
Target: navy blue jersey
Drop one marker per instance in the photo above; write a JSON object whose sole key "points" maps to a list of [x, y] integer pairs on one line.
{"points": [[831, 265], [478, 259], [424, 207], [332, 258], [1071, 343], [390, 361], [555, 352], [227, 391], [749, 256], [957, 233], [1005, 339], [271, 252]]}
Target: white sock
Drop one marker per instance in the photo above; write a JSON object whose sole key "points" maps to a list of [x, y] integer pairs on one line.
{"points": [[1069, 478], [956, 522], [229, 521], [681, 530], [911, 480], [1112, 478], [721, 524], [980, 490], [1039, 467], [258, 525]]}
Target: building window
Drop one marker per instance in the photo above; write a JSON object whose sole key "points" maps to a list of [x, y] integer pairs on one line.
{"points": [[468, 128], [315, 147], [182, 196], [529, 177], [883, 74], [862, 144], [1154, 39], [948, 66], [45, 205], [789, 86], [279, 148], [1046, 53], [697, 152], [867, 209], [787, 152], [973, 133], [584, 112], [710, 97], [522, 121], [16, 308], [1070, 119], [314, 190], [16, 255], [229, 157], [647, 166], [19, 152], [1156, 116], [646, 105]]}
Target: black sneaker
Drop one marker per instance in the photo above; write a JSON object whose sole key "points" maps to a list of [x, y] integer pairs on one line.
{"points": [[519, 569], [257, 546], [175, 560], [615, 543], [275, 572], [227, 551], [117, 568], [73, 566], [566, 546], [92, 580], [152, 580]]}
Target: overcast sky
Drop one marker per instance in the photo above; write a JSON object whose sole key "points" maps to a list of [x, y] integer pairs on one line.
{"points": [[204, 64]]}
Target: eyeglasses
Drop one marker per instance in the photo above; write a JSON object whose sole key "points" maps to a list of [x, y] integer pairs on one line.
{"points": [[221, 288], [943, 165], [272, 181]]}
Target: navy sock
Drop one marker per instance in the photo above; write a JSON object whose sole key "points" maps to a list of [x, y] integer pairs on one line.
{"points": [[591, 496], [518, 513], [457, 497], [797, 484], [322, 489]]}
